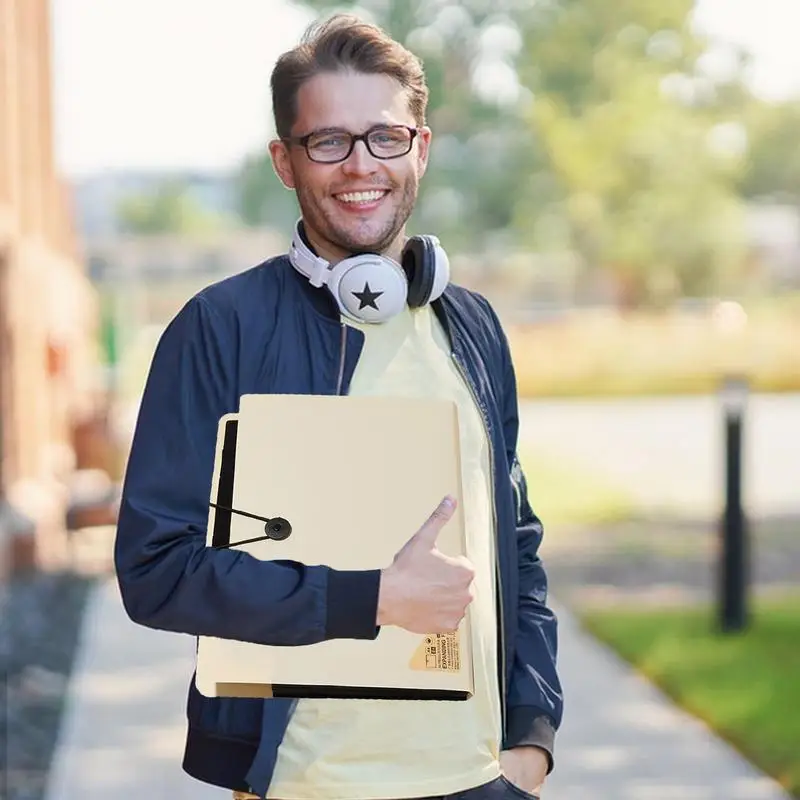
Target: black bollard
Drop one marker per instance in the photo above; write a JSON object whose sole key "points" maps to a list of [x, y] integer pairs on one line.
{"points": [[734, 556]]}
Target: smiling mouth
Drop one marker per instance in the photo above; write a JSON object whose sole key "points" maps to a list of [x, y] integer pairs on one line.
{"points": [[362, 198]]}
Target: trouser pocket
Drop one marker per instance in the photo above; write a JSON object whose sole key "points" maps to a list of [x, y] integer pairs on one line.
{"points": [[517, 790], [499, 789]]}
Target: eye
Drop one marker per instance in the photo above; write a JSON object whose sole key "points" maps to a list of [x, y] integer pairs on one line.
{"points": [[329, 141], [388, 136]]}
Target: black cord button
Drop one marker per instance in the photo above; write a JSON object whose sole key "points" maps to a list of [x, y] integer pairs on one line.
{"points": [[278, 529]]}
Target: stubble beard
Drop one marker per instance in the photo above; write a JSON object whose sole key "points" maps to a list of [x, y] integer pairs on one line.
{"points": [[340, 237]]}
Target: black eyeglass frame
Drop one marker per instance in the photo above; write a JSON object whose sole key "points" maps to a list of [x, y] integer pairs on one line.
{"points": [[354, 137]]}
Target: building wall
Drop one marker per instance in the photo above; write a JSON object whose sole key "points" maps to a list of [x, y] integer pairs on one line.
{"points": [[48, 307]]}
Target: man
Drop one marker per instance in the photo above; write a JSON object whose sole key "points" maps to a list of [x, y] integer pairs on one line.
{"points": [[349, 107]]}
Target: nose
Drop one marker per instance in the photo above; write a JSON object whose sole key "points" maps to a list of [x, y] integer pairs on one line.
{"points": [[359, 162]]}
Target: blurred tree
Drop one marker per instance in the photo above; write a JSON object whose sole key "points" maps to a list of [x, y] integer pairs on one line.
{"points": [[773, 166], [262, 199], [641, 146], [605, 130], [171, 209]]}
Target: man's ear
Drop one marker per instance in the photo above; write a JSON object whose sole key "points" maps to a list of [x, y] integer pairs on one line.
{"points": [[281, 163], [423, 149]]}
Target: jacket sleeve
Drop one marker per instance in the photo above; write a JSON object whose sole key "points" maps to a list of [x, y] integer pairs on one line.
{"points": [[168, 577], [535, 699]]}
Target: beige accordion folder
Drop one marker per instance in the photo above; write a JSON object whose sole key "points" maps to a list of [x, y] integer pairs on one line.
{"points": [[345, 482]]}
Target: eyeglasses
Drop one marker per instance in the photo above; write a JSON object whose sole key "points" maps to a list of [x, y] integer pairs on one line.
{"points": [[333, 146]]}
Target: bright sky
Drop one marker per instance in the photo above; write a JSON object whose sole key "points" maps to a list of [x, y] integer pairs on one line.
{"points": [[143, 84]]}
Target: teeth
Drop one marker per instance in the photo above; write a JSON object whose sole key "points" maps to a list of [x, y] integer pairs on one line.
{"points": [[361, 197]]}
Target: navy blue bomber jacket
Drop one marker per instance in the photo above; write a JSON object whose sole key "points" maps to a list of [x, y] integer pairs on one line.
{"points": [[267, 330]]}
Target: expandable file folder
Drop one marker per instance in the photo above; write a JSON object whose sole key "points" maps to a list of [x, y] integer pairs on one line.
{"points": [[342, 481]]}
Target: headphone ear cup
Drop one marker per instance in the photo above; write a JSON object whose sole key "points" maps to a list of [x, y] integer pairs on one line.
{"points": [[441, 269], [369, 288], [427, 269], [419, 264]]}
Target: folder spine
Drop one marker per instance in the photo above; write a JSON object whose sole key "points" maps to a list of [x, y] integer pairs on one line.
{"points": [[221, 536]]}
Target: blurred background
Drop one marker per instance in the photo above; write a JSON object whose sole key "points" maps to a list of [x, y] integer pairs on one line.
{"points": [[622, 180]]}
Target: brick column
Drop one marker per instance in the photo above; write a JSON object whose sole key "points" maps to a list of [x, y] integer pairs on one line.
{"points": [[29, 103], [9, 124]]}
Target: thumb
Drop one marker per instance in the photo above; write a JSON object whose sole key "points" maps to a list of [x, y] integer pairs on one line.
{"points": [[441, 515]]}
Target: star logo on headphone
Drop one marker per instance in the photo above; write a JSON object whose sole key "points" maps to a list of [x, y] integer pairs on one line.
{"points": [[367, 298]]}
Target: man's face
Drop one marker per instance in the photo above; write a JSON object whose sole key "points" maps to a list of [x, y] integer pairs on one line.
{"points": [[337, 223]]}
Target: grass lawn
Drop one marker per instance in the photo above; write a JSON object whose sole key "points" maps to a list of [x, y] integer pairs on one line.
{"points": [[746, 687]]}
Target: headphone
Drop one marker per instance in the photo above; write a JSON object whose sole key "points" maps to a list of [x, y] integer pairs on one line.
{"points": [[373, 288]]}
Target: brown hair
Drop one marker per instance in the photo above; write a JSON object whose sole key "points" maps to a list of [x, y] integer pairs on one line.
{"points": [[340, 43]]}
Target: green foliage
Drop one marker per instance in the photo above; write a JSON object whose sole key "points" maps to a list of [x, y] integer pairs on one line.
{"points": [[581, 128], [170, 209], [263, 199], [629, 128], [773, 168], [743, 686]]}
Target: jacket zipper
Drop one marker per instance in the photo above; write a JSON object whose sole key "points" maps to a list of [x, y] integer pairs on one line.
{"points": [[340, 379], [498, 575]]}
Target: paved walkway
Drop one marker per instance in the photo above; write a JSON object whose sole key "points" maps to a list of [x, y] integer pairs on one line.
{"points": [[124, 725], [667, 453]]}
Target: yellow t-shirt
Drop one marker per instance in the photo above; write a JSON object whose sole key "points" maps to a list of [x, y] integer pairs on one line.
{"points": [[373, 749]]}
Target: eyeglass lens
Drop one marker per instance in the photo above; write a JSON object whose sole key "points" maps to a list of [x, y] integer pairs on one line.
{"points": [[381, 142]]}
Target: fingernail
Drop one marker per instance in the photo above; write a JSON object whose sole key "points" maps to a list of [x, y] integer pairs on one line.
{"points": [[449, 502]]}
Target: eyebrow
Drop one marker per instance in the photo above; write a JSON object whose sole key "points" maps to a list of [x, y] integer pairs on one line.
{"points": [[340, 128]]}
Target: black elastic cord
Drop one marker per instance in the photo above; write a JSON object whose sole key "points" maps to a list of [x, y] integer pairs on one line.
{"points": [[243, 541], [243, 513], [284, 528]]}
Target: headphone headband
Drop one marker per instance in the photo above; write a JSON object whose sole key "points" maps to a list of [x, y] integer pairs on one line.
{"points": [[316, 269]]}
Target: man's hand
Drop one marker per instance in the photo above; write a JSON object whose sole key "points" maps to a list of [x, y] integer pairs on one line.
{"points": [[525, 767], [425, 591]]}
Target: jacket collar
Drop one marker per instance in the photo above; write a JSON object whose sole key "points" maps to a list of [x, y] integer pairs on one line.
{"points": [[319, 297]]}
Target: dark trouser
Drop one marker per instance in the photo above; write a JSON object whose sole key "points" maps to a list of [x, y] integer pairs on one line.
{"points": [[499, 789]]}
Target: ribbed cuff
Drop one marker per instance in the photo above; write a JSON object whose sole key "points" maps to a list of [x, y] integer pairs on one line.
{"points": [[527, 726], [353, 604]]}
